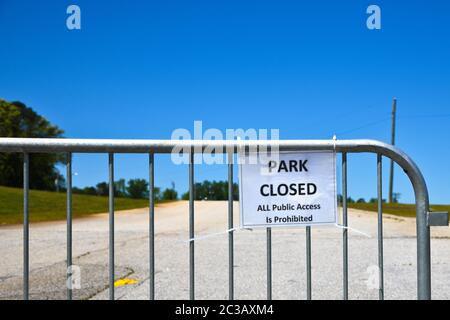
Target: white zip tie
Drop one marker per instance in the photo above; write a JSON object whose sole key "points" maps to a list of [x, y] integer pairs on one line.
{"points": [[353, 229], [208, 235], [334, 142]]}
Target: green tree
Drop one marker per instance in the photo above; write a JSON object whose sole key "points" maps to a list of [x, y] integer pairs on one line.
{"points": [[185, 196], [120, 189], [215, 190], [19, 121], [102, 189], [169, 194], [375, 200], [137, 188], [90, 190]]}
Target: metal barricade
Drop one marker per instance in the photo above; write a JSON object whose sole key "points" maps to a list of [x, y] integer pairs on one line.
{"points": [[424, 219]]}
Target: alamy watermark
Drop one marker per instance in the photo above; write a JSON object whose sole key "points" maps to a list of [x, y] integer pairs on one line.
{"points": [[373, 280], [73, 277], [73, 21], [212, 146], [373, 22]]}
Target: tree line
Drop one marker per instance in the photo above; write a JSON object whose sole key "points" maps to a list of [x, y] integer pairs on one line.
{"points": [[371, 200], [212, 190], [133, 188]]}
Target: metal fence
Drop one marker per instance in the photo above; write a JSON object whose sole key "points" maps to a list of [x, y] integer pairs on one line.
{"points": [[424, 219]]}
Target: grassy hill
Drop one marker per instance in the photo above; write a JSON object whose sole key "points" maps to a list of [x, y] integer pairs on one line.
{"points": [[399, 209], [47, 206]]}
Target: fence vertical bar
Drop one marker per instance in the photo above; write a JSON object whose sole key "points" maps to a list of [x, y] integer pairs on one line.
{"points": [[69, 224], [111, 226], [423, 247], [26, 225], [345, 224], [152, 224], [380, 227], [191, 227], [308, 263], [230, 227], [269, 263]]}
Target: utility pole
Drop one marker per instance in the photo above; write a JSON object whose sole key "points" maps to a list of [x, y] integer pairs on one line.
{"points": [[391, 176]]}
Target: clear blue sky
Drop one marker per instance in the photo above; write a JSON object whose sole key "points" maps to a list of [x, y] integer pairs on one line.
{"points": [[309, 68]]}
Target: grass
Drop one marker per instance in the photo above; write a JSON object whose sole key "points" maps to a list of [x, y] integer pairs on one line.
{"points": [[50, 206], [398, 209]]}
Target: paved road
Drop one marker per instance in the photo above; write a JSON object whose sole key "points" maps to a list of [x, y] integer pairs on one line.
{"points": [[90, 249]]}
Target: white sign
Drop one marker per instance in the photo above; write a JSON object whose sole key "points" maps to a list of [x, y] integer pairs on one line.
{"points": [[296, 189]]}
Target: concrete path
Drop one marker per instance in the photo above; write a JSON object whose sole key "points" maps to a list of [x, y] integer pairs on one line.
{"points": [[90, 251]]}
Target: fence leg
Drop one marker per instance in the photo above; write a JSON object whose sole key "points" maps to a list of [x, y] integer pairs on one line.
{"points": [[308, 263], [152, 225], [69, 225], [26, 226], [423, 250], [345, 224], [191, 229], [111, 227], [230, 226]]}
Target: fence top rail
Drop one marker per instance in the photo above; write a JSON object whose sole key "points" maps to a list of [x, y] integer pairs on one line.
{"points": [[56, 145]]}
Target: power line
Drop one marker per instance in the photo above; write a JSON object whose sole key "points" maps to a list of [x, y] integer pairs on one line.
{"points": [[370, 124], [358, 111]]}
